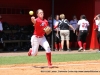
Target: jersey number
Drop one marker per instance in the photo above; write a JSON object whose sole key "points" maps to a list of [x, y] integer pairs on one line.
{"points": [[84, 25]]}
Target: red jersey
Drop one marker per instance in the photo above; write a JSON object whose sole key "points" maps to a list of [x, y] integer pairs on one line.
{"points": [[39, 26]]}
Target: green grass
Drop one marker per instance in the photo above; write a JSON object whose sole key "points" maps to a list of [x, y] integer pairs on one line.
{"points": [[55, 58]]}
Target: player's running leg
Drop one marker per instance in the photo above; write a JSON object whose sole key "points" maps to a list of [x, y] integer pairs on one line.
{"points": [[44, 43], [80, 41], [35, 44], [84, 40]]}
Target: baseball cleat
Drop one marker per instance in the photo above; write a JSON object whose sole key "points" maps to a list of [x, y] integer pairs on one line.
{"points": [[84, 50], [80, 49], [69, 50], [61, 50], [29, 52], [56, 50], [50, 66]]}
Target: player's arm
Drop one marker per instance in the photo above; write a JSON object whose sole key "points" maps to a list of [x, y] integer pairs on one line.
{"points": [[96, 28], [33, 20], [88, 27], [95, 17], [77, 28], [97, 23], [66, 21], [72, 28], [57, 27], [46, 25]]}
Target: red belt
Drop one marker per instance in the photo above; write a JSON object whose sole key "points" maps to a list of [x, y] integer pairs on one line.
{"points": [[39, 36]]}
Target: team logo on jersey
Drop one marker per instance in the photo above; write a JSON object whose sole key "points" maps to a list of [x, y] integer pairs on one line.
{"points": [[42, 24]]}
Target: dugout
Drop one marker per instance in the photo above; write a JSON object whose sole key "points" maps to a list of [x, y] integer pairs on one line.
{"points": [[16, 12]]}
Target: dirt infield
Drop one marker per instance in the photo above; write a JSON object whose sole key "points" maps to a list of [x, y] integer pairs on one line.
{"points": [[64, 68], [59, 68]]}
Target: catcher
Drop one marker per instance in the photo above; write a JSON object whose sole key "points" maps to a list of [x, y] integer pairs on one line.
{"points": [[38, 38]]}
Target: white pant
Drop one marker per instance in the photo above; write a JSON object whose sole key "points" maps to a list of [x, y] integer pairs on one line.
{"points": [[35, 42]]}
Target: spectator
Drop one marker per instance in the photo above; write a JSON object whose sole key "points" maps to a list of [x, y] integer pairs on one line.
{"points": [[57, 34], [73, 41], [64, 31], [97, 21], [1, 29], [50, 21]]}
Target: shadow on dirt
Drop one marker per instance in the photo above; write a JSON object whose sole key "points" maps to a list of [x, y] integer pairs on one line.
{"points": [[42, 67]]}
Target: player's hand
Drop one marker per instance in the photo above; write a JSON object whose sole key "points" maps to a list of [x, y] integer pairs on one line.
{"points": [[95, 29], [76, 33], [74, 30], [32, 18], [57, 35]]}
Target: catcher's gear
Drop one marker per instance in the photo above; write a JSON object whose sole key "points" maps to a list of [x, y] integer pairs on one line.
{"points": [[47, 30]]}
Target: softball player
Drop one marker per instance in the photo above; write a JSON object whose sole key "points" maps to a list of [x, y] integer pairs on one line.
{"points": [[57, 34], [83, 26], [97, 21], [38, 37]]}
